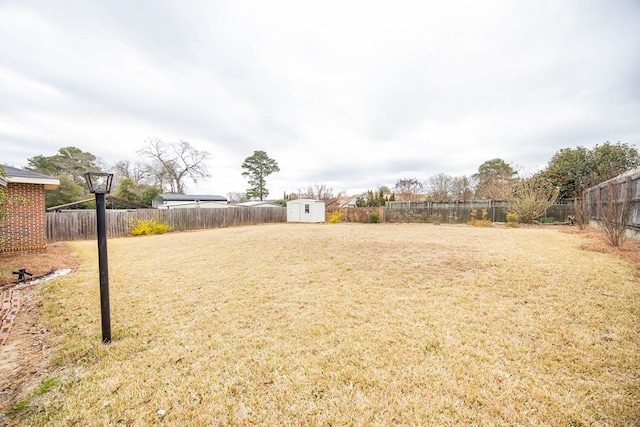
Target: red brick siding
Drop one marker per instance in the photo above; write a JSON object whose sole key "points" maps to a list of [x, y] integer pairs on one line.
{"points": [[25, 228]]}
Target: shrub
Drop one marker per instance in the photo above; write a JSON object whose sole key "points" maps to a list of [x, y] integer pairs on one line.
{"points": [[580, 212], [614, 206], [141, 227], [336, 216], [546, 220], [532, 197], [512, 217], [436, 218], [374, 217], [482, 221], [512, 220]]}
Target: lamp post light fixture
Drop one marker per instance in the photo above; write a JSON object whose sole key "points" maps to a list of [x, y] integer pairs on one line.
{"points": [[100, 184]]}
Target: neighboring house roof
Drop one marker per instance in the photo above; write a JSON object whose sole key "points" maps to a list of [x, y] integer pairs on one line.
{"points": [[191, 198], [342, 199], [28, 177], [3, 181], [351, 202]]}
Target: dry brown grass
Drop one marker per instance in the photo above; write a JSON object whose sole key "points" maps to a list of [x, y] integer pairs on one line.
{"points": [[347, 324]]}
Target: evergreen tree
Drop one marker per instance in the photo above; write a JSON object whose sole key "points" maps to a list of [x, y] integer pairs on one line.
{"points": [[257, 167], [71, 162]]}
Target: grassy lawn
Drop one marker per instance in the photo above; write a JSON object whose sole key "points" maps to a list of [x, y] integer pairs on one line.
{"points": [[346, 324]]}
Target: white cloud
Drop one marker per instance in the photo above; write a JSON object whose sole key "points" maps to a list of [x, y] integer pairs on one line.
{"points": [[353, 94]]}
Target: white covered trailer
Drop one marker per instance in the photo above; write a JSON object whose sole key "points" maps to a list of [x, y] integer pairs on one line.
{"points": [[305, 210]]}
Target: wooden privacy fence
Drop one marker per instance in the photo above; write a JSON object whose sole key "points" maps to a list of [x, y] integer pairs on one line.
{"points": [[619, 196], [460, 211], [81, 225], [446, 212]]}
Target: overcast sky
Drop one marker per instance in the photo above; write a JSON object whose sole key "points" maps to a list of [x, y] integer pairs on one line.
{"points": [[352, 94]]}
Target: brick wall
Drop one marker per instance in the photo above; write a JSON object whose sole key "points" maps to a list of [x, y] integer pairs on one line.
{"points": [[25, 228]]}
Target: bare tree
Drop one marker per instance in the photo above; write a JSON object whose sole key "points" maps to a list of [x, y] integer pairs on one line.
{"points": [[306, 193], [320, 192], [440, 187], [462, 188], [173, 162], [408, 189], [613, 207], [237, 197], [385, 190], [137, 172], [580, 211], [531, 197]]}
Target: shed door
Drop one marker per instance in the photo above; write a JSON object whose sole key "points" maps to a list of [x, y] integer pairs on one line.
{"points": [[294, 212]]}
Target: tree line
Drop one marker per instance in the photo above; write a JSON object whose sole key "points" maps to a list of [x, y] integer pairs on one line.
{"points": [[570, 171], [166, 167], [163, 167], [568, 174]]}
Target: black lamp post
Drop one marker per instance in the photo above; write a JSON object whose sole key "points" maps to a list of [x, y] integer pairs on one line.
{"points": [[100, 184]]}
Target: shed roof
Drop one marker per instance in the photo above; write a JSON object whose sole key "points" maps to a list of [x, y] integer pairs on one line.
{"points": [[29, 177], [191, 198], [305, 201]]}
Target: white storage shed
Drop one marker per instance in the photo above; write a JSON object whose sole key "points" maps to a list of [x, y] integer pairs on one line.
{"points": [[305, 210]]}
